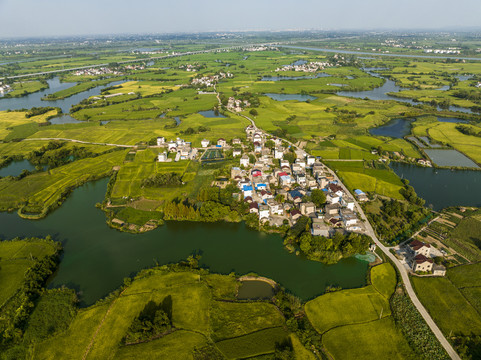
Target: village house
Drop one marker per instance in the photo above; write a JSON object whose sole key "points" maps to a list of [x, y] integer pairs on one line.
{"points": [[319, 228], [317, 169], [348, 203], [323, 182], [244, 160], [308, 208], [247, 190], [361, 196], [332, 198], [172, 146], [332, 209], [295, 215], [285, 179], [264, 195], [236, 152], [285, 163], [257, 138], [311, 183], [422, 263], [260, 186], [236, 141], [254, 208], [250, 130], [310, 160], [419, 248], [264, 211], [205, 143], [439, 270], [274, 207], [336, 189], [160, 141], [221, 142], [236, 171], [348, 217], [278, 153], [257, 147], [162, 157]]}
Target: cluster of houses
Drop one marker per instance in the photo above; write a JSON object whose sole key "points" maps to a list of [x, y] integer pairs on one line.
{"points": [[443, 51], [182, 149], [189, 67], [96, 72], [259, 48], [4, 88], [211, 80], [278, 191], [237, 105], [307, 67], [419, 258]]}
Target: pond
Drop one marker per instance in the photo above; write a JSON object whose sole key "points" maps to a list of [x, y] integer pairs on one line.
{"points": [[448, 158], [64, 119], [442, 187], [396, 128], [211, 114], [255, 290], [452, 120], [96, 258], [286, 78], [35, 99], [15, 168], [286, 97]]}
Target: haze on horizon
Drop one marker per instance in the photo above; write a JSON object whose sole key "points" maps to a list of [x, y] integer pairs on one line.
{"points": [[36, 18]]}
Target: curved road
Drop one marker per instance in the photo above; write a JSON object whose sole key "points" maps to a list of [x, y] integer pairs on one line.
{"points": [[402, 270]]}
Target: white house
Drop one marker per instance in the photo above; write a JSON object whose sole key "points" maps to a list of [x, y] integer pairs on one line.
{"points": [[310, 160], [236, 152], [244, 160], [221, 142], [263, 211], [172, 146], [419, 248], [274, 207], [160, 141], [205, 143], [422, 263], [278, 153], [162, 157]]}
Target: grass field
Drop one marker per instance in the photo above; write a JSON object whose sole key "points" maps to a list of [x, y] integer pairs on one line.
{"points": [[254, 344], [372, 340], [247, 329], [348, 320], [355, 305], [23, 88], [445, 301], [236, 319], [15, 258], [356, 175], [39, 191]]}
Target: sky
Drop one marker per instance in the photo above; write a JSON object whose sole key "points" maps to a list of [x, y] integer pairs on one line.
{"points": [[34, 18]]}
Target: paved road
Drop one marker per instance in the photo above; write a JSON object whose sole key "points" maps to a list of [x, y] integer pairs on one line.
{"points": [[78, 141]]}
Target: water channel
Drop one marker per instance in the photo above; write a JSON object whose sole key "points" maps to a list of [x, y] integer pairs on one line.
{"points": [[96, 258], [35, 99]]}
